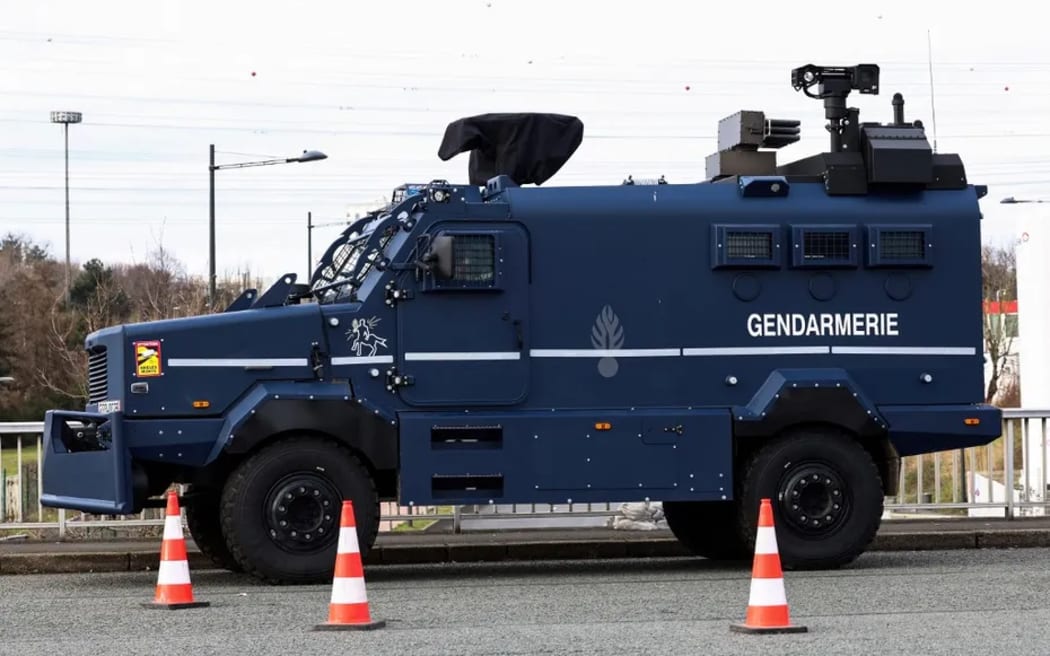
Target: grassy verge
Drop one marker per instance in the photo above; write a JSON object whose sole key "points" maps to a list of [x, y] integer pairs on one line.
{"points": [[9, 458]]}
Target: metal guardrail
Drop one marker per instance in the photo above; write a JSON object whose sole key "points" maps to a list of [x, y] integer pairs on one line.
{"points": [[981, 481]]}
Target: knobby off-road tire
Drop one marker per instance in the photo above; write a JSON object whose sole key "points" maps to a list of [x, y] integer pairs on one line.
{"points": [[281, 507], [826, 494], [202, 518], [707, 529]]}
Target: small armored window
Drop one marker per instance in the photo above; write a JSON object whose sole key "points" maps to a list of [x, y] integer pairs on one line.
{"points": [[825, 246], [902, 245], [898, 246], [475, 258], [749, 245], [736, 246]]}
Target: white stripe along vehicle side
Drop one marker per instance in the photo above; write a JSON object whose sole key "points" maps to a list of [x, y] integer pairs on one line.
{"points": [[363, 359], [450, 356], [904, 350], [605, 353], [237, 362], [481, 356], [757, 350]]}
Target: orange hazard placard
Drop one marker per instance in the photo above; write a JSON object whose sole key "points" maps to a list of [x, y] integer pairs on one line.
{"points": [[147, 359]]}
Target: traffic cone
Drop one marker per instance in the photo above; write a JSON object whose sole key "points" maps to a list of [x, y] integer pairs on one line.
{"points": [[174, 589], [767, 609], [348, 609]]}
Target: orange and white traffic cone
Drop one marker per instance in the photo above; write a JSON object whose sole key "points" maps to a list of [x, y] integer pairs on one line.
{"points": [[174, 589], [348, 608], [767, 609]]}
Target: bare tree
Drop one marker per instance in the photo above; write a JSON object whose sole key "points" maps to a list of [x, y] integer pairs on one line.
{"points": [[999, 273]]}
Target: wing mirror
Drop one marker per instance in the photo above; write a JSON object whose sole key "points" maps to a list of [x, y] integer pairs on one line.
{"points": [[438, 258]]}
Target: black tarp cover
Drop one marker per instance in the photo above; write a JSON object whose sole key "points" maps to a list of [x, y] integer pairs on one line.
{"points": [[528, 147]]}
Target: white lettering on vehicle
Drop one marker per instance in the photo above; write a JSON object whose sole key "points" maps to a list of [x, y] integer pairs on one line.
{"points": [[855, 324]]}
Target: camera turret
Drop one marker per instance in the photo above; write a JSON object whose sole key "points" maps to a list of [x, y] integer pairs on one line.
{"points": [[834, 84]]}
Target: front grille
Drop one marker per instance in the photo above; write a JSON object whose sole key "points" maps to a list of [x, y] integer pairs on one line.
{"points": [[97, 375]]}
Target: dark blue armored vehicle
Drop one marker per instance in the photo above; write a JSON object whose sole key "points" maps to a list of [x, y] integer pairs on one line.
{"points": [[783, 330]]}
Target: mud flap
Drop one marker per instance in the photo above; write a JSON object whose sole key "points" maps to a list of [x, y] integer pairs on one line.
{"points": [[86, 463]]}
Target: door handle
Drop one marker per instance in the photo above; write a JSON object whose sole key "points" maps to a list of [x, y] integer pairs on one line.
{"points": [[518, 332]]}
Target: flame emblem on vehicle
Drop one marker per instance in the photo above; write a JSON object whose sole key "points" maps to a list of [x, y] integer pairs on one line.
{"points": [[606, 335]]}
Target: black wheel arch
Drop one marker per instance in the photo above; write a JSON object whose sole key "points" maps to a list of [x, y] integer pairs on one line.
{"points": [[373, 440], [812, 407]]}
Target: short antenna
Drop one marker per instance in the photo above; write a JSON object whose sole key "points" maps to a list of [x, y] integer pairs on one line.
{"points": [[933, 106]]}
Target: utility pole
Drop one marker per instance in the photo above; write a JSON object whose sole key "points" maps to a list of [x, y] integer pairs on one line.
{"points": [[211, 227]]}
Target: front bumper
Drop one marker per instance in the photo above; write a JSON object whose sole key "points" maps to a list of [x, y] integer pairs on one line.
{"points": [[86, 465], [931, 428]]}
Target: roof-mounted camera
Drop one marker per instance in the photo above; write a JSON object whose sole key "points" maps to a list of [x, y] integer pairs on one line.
{"points": [[834, 84]]}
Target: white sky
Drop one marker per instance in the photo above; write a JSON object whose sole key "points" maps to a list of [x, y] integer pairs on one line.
{"points": [[373, 85]]}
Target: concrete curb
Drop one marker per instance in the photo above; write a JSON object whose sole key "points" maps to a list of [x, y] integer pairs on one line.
{"points": [[486, 550]]}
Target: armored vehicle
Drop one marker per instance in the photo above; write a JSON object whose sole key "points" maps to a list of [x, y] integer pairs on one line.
{"points": [[787, 330]]}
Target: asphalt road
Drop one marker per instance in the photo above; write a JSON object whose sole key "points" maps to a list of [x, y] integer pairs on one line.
{"points": [[933, 602]]}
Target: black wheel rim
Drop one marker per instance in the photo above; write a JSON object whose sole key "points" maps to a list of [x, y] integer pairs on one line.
{"points": [[302, 512], [814, 498]]}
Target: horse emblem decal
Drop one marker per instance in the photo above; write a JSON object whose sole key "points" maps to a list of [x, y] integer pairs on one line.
{"points": [[362, 337]]}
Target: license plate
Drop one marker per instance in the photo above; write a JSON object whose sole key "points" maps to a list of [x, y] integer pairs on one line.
{"points": [[106, 407]]}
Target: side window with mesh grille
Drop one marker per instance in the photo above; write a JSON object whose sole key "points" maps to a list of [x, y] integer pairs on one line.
{"points": [[476, 257], [824, 246], [745, 246], [900, 245]]}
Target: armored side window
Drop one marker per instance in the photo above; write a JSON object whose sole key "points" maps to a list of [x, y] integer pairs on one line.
{"points": [[824, 246], [474, 258], [471, 261], [900, 245], [745, 246]]}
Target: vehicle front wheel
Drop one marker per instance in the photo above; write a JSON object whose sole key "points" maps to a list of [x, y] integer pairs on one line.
{"points": [[202, 518], [826, 494], [281, 507]]}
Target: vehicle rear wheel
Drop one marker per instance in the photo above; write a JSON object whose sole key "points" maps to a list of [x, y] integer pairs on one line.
{"points": [[202, 519], [707, 529], [826, 494], [281, 507]]}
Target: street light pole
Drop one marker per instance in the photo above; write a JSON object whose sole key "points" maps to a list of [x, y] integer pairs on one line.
{"points": [[307, 156], [309, 242], [65, 118], [211, 226]]}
